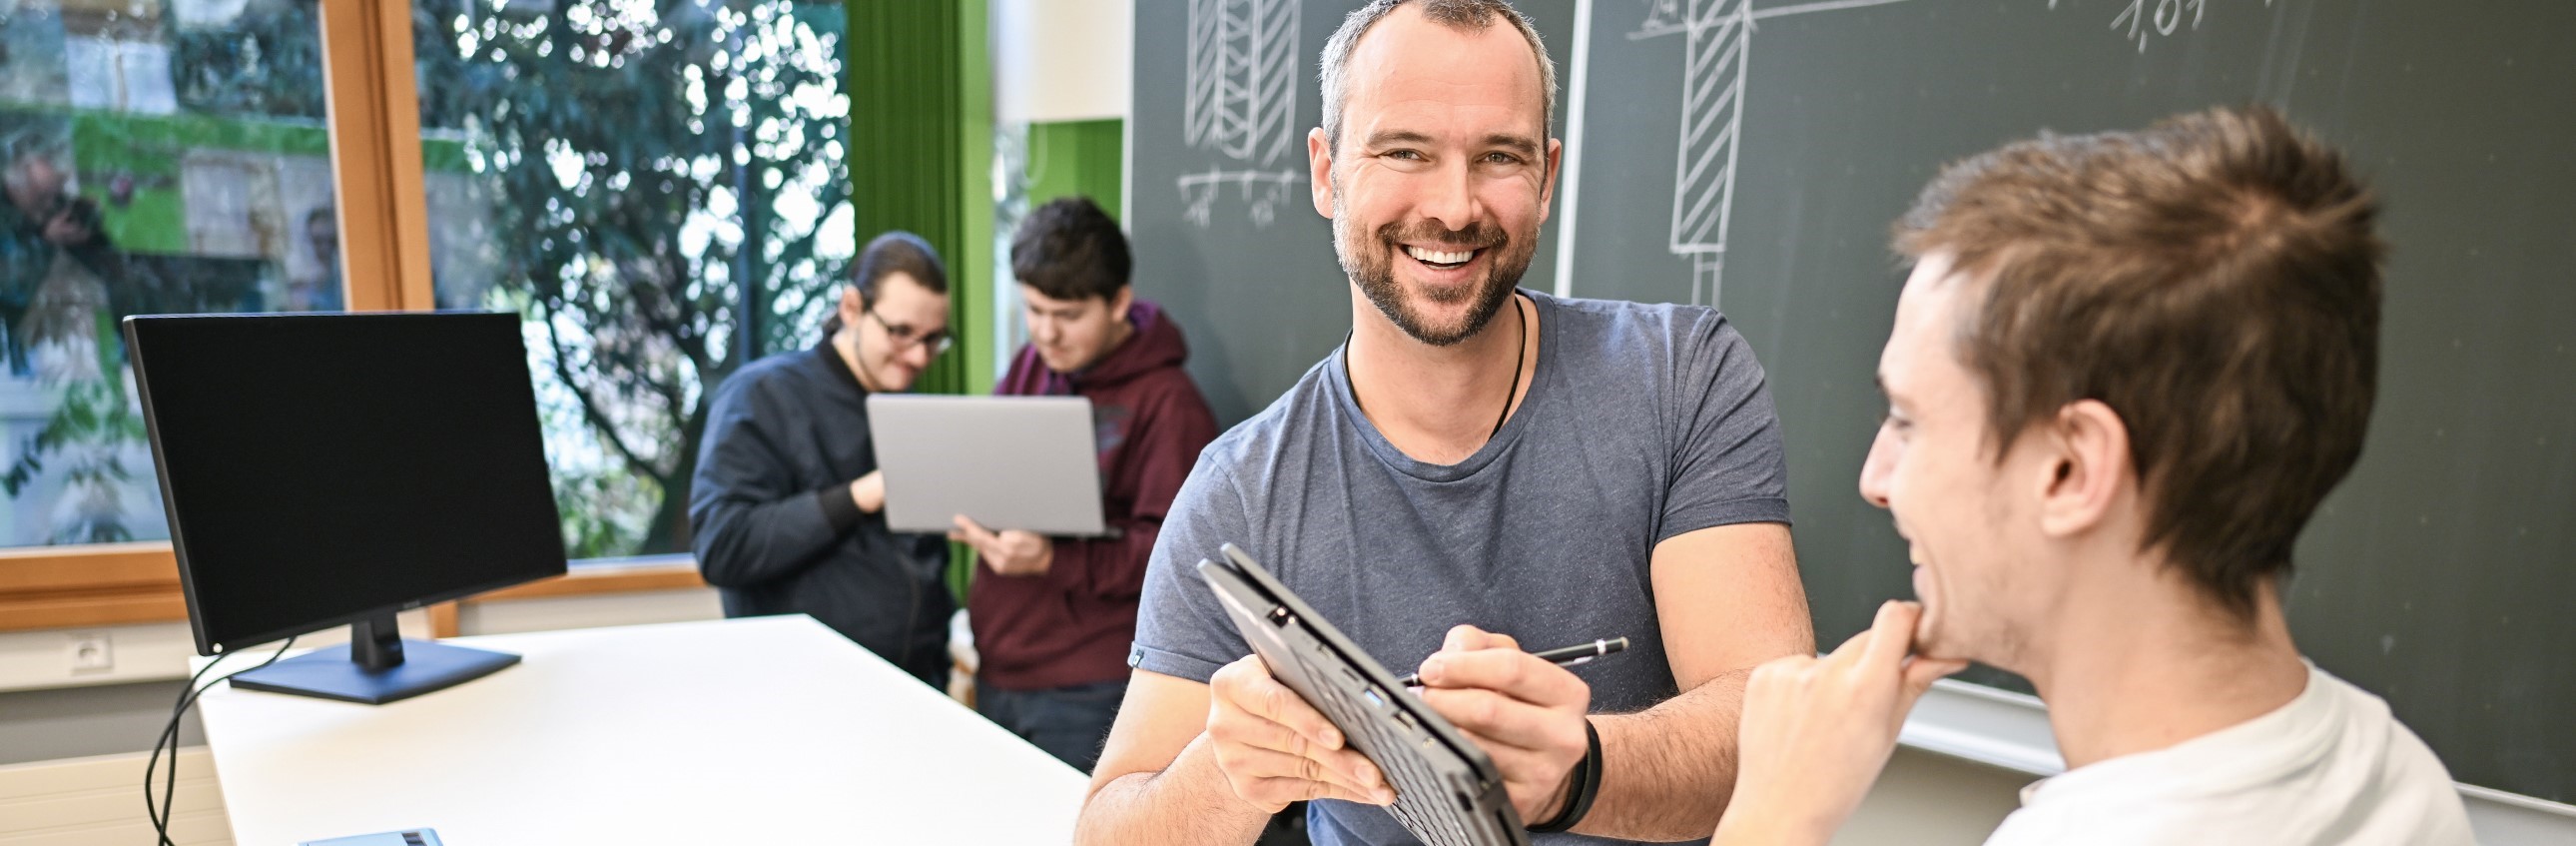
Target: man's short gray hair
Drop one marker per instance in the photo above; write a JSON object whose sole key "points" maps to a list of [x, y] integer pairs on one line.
{"points": [[1469, 15]]}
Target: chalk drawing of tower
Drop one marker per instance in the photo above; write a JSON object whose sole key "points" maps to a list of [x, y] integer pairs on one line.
{"points": [[1717, 53], [1240, 102], [1714, 58]]}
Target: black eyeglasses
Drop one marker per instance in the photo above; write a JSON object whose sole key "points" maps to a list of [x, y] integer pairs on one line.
{"points": [[905, 334]]}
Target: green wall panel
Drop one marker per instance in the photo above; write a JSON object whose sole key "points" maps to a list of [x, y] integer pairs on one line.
{"points": [[1077, 158], [920, 81], [921, 126]]}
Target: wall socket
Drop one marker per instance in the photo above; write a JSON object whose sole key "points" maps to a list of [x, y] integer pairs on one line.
{"points": [[90, 653]]}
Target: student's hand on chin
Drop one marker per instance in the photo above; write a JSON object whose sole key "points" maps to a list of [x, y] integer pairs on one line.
{"points": [[1816, 731], [1526, 713]]}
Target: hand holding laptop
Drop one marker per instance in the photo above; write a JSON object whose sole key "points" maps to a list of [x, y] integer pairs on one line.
{"points": [[868, 491], [1009, 552]]}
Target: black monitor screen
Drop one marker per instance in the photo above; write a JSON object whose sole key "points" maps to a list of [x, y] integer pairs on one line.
{"points": [[321, 467]]}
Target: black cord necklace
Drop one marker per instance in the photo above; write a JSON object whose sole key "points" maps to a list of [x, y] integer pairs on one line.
{"points": [[1511, 391]]}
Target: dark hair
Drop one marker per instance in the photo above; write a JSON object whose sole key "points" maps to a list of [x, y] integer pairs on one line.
{"points": [[898, 252], [2214, 279], [894, 252], [1069, 249]]}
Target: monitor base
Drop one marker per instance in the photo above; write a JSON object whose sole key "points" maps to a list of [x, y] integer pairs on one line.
{"points": [[330, 673]]}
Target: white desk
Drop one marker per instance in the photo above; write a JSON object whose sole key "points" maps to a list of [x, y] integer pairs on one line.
{"points": [[767, 730]]}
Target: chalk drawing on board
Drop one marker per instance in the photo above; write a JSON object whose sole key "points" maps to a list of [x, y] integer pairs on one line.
{"points": [[1717, 41], [1717, 38], [1239, 102], [2147, 19]]}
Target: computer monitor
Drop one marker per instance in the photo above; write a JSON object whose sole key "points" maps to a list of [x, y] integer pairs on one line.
{"points": [[329, 469]]}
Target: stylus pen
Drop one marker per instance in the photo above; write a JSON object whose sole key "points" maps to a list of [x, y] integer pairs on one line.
{"points": [[1569, 656]]}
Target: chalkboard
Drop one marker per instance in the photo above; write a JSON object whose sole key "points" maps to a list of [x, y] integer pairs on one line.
{"points": [[1752, 153]]}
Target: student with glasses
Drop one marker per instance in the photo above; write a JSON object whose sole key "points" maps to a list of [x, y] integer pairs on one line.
{"points": [[786, 508]]}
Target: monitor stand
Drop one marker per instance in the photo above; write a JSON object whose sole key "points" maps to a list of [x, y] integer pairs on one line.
{"points": [[376, 666]]}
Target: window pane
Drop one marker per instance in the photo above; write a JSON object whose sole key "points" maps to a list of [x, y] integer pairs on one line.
{"points": [[161, 156], [657, 185]]}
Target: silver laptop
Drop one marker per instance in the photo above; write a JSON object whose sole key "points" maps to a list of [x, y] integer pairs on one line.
{"points": [[1447, 791], [1005, 462]]}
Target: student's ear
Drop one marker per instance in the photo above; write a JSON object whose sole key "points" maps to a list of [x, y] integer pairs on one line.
{"points": [[1319, 167], [1120, 302], [853, 307], [2088, 467]]}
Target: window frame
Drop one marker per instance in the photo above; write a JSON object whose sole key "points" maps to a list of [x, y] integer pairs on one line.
{"points": [[374, 116]]}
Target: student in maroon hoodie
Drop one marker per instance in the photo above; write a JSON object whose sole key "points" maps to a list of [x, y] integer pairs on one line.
{"points": [[1053, 617]]}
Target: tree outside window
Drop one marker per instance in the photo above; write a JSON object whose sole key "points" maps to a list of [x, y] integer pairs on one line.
{"points": [[658, 187]]}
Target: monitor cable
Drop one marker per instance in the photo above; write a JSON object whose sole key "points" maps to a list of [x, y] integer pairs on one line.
{"points": [[169, 739]]}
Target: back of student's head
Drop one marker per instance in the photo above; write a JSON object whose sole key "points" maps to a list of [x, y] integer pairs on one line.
{"points": [[1068, 249], [2214, 279]]}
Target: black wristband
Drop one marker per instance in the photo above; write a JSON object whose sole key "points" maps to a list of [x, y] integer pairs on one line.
{"points": [[1581, 786]]}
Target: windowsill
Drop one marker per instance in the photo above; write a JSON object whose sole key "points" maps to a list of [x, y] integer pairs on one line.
{"points": [[121, 584], [105, 584], [619, 575]]}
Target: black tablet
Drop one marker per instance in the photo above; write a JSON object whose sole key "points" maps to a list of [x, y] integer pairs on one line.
{"points": [[1447, 791]]}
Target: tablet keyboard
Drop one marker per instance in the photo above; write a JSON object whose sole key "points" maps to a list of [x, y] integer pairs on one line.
{"points": [[1447, 792], [1421, 796]]}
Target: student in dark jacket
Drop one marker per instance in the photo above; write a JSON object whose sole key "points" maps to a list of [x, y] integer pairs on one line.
{"points": [[1053, 617], [787, 501]]}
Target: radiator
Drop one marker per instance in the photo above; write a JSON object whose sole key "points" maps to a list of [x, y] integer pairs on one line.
{"points": [[99, 802]]}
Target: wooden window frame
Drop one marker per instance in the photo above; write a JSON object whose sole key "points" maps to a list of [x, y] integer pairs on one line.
{"points": [[384, 224]]}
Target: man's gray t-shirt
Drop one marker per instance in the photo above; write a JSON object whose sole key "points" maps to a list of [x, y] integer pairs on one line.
{"points": [[1642, 422]]}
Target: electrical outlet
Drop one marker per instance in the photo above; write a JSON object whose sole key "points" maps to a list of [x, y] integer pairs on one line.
{"points": [[90, 653]]}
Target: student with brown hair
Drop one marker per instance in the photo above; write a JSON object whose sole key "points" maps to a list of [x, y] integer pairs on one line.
{"points": [[1053, 617], [2124, 372]]}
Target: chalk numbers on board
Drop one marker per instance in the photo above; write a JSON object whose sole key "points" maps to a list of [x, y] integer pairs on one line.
{"points": [[2145, 20]]}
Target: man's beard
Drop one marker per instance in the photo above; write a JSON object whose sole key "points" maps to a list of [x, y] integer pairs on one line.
{"points": [[1370, 260]]}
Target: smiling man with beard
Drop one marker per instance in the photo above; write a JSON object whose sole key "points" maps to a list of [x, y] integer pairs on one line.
{"points": [[1480, 468]]}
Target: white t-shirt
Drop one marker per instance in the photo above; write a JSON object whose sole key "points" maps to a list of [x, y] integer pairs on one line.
{"points": [[2330, 767]]}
